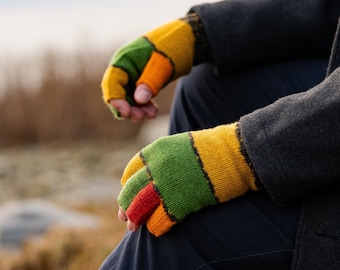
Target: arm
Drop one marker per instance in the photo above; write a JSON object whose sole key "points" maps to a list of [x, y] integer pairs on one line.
{"points": [[239, 34], [245, 33], [294, 144], [290, 148]]}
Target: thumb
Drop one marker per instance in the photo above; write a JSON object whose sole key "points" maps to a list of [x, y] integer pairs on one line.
{"points": [[143, 94]]}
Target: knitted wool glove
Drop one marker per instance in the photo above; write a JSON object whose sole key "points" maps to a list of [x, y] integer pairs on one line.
{"points": [[156, 58], [180, 174]]}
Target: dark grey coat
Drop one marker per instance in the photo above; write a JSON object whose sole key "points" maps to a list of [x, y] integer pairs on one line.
{"points": [[294, 144]]}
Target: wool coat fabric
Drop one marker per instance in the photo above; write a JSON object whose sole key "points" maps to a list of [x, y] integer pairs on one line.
{"points": [[293, 144]]}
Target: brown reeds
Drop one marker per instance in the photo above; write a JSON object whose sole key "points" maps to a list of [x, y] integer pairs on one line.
{"points": [[57, 97], [63, 249]]}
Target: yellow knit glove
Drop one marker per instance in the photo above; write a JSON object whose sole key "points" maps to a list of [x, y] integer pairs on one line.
{"points": [[180, 174], [154, 59]]}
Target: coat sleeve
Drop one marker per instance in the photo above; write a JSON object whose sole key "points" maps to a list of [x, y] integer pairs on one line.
{"points": [[245, 33], [294, 143]]}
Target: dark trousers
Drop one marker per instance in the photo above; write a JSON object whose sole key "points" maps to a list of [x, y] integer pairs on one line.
{"points": [[250, 232]]}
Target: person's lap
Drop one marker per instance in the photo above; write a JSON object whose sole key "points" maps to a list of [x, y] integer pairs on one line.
{"points": [[247, 233], [204, 100], [250, 232]]}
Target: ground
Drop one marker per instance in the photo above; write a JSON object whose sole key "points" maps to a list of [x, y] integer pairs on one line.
{"points": [[83, 176]]}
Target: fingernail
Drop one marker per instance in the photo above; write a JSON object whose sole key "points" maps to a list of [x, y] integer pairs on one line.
{"points": [[121, 216], [131, 226], [143, 95]]}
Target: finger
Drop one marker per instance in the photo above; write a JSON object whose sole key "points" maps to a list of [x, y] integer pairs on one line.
{"points": [[132, 187], [113, 83], [134, 165], [159, 222], [143, 94], [156, 73], [143, 205], [137, 114], [131, 226], [121, 215], [150, 110], [122, 106]]}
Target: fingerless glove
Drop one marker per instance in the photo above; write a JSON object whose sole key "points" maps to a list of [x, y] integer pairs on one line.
{"points": [[180, 174], [156, 58]]}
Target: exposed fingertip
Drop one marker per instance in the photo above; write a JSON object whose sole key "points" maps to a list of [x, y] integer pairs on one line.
{"points": [[122, 216], [131, 226], [120, 108], [142, 94]]}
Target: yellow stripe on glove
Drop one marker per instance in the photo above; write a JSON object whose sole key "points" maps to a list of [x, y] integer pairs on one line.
{"points": [[180, 174], [156, 58]]}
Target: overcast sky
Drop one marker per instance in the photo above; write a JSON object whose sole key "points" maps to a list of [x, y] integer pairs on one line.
{"points": [[30, 25]]}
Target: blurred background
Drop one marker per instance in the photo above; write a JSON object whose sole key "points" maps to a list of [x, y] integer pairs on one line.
{"points": [[61, 151]]}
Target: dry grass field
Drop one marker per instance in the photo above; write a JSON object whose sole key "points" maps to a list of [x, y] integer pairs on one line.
{"points": [[62, 249], [63, 107]]}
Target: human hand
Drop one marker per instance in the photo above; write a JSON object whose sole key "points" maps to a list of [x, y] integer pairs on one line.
{"points": [[146, 108], [180, 174], [148, 63]]}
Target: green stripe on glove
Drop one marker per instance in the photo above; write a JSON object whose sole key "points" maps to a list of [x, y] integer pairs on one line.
{"points": [[180, 174], [154, 59]]}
